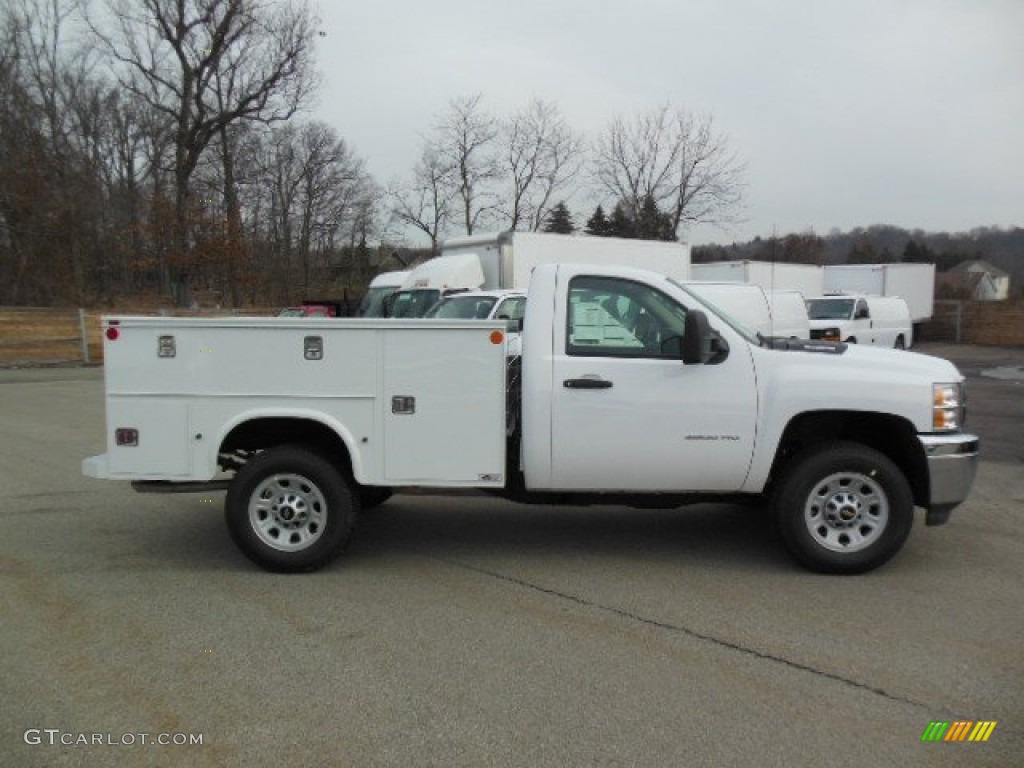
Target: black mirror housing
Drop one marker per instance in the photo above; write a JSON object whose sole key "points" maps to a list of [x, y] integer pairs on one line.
{"points": [[702, 344]]}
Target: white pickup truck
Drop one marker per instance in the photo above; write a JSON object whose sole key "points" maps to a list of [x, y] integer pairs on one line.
{"points": [[630, 390]]}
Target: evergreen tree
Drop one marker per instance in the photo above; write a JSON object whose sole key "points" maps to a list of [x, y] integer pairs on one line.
{"points": [[597, 224], [652, 224], [559, 221], [621, 224], [917, 252]]}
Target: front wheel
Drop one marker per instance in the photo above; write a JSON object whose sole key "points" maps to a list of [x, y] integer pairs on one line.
{"points": [[288, 509], [843, 508], [900, 342]]}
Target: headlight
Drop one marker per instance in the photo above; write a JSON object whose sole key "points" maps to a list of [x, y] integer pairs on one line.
{"points": [[948, 407]]}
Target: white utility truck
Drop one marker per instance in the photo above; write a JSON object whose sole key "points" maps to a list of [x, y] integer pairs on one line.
{"points": [[629, 390], [914, 283], [505, 261], [883, 321]]}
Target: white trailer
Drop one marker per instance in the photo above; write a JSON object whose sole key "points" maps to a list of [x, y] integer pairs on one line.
{"points": [[914, 283], [504, 261], [508, 258], [808, 279]]}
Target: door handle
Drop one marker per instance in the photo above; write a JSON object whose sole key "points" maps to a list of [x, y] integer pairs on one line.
{"points": [[587, 382]]}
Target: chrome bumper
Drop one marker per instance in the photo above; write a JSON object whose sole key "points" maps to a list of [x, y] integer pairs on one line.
{"points": [[952, 465]]}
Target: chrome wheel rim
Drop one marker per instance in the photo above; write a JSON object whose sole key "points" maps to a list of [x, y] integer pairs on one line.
{"points": [[846, 512], [287, 512]]}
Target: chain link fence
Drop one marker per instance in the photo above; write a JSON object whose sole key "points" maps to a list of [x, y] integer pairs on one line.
{"points": [[996, 323]]}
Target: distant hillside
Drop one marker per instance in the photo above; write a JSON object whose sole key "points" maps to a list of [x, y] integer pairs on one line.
{"points": [[881, 244]]}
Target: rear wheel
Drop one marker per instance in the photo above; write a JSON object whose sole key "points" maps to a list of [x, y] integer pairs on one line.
{"points": [[901, 343], [843, 508], [289, 509]]}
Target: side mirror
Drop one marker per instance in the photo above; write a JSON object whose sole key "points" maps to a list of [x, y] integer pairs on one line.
{"points": [[702, 344], [861, 313], [513, 325]]}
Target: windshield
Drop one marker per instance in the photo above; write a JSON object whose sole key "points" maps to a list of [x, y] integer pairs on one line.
{"points": [[829, 309], [372, 304], [743, 330], [412, 303], [463, 308]]}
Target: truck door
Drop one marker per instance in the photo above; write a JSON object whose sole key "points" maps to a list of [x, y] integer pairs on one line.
{"points": [[626, 413], [863, 322]]}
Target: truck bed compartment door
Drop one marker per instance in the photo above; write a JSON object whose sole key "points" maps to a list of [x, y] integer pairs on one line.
{"points": [[444, 407]]}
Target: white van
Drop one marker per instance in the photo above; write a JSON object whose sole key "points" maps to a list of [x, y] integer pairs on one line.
{"points": [[789, 314], [880, 320], [770, 313]]}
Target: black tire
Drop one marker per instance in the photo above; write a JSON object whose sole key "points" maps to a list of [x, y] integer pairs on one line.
{"points": [[843, 508], [290, 510], [900, 342], [371, 497], [852, 340]]}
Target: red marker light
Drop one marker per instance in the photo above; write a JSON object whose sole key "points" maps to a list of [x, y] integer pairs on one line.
{"points": [[497, 337], [113, 333]]}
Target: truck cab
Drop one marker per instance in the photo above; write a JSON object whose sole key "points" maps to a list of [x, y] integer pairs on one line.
{"points": [[381, 287]]}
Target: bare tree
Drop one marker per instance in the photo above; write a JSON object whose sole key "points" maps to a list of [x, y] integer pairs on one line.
{"points": [[426, 202], [466, 140], [206, 64], [320, 194], [51, 114], [542, 156], [676, 159]]}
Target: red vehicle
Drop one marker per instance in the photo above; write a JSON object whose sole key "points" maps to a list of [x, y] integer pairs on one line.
{"points": [[316, 308]]}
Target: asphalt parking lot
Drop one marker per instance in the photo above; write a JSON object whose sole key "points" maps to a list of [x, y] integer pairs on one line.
{"points": [[474, 632]]}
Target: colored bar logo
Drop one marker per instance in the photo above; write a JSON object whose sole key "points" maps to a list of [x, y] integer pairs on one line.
{"points": [[958, 730]]}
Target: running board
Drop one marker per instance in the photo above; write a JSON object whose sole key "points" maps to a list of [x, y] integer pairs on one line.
{"points": [[170, 486]]}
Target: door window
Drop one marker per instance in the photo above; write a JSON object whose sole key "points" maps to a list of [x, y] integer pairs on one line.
{"points": [[512, 308], [611, 317]]}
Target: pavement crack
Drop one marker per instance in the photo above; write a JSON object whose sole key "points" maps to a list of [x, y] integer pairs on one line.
{"points": [[688, 632]]}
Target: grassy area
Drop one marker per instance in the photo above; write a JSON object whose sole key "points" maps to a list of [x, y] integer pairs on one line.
{"points": [[45, 335]]}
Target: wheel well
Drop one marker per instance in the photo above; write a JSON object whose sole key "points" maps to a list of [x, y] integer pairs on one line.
{"points": [[259, 434], [891, 435]]}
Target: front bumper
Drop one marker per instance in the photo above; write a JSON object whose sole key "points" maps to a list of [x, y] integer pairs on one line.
{"points": [[952, 465]]}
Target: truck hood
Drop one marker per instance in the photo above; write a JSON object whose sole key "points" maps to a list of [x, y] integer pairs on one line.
{"points": [[819, 324], [841, 356], [814, 376]]}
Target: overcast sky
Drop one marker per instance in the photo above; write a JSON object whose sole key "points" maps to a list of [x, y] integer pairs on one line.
{"points": [[847, 112]]}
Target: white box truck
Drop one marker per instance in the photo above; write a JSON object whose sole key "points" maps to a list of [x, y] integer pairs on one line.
{"points": [[505, 261], [914, 283], [808, 279], [629, 390]]}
